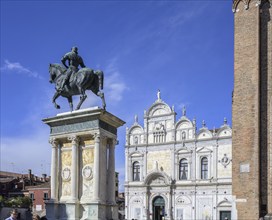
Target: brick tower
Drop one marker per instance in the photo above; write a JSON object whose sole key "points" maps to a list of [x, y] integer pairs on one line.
{"points": [[252, 109]]}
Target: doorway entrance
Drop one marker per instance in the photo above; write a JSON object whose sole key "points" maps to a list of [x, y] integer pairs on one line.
{"points": [[225, 215], [158, 208]]}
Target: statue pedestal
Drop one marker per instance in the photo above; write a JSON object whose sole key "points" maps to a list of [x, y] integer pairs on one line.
{"points": [[268, 217], [83, 165]]}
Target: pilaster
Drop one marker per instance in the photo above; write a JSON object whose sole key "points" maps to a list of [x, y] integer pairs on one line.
{"points": [[111, 172], [74, 171], [97, 167], [54, 168]]}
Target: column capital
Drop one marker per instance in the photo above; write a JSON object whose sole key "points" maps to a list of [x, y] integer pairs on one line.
{"points": [[53, 141], [112, 142], [75, 139], [97, 137]]}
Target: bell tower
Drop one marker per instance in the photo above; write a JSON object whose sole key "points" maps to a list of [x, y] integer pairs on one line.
{"points": [[252, 109]]}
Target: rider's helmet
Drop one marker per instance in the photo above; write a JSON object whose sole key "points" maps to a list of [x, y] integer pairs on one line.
{"points": [[74, 49]]}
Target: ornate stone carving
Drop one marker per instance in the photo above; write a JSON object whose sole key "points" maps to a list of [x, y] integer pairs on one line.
{"points": [[93, 213], [88, 156], [97, 137], [158, 181], [112, 142], [225, 160], [66, 174], [246, 4], [53, 141], [74, 127], [75, 140], [236, 2], [66, 188], [66, 158], [87, 172]]}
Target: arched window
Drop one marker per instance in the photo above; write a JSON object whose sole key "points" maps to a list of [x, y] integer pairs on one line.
{"points": [[136, 140], [183, 169], [136, 171], [183, 135], [204, 168]]}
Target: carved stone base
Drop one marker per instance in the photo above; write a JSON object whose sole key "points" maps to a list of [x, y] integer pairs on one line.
{"points": [[70, 211], [80, 180], [268, 217], [51, 210], [62, 211], [96, 211]]}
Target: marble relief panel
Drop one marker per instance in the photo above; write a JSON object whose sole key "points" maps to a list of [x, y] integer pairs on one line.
{"points": [[87, 156], [66, 158], [66, 188], [163, 159]]}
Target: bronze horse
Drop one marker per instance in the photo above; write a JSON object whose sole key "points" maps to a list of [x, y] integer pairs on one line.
{"points": [[84, 79]]}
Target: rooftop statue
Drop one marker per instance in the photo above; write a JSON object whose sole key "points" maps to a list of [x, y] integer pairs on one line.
{"points": [[69, 80]]}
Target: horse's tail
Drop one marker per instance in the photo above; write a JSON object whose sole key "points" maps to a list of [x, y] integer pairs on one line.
{"points": [[101, 79]]}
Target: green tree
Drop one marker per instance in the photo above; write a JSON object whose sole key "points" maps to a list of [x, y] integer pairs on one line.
{"points": [[18, 202]]}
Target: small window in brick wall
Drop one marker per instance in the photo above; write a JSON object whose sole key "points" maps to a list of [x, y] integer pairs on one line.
{"points": [[31, 195], [45, 196]]}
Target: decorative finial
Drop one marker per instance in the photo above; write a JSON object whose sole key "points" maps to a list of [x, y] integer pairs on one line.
{"points": [[183, 110], [173, 108], [159, 95], [156, 167], [213, 131], [136, 119], [203, 124], [225, 121], [194, 121]]}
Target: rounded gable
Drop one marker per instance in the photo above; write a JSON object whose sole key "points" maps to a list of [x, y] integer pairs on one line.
{"points": [[157, 176], [159, 108], [204, 134], [224, 132], [184, 123], [136, 129]]}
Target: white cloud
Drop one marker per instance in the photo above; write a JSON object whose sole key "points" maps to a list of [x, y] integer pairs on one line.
{"points": [[18, 68], [18, 154], [182, 16], [114, 85]]}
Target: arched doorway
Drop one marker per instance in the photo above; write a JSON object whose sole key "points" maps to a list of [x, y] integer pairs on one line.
{"points": [[158, 207]]}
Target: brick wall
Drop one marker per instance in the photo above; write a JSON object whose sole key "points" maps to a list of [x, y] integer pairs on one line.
{"points": [[252, 111], [246, 112]]}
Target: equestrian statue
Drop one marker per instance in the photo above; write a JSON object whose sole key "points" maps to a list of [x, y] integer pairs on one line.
{"points": [[69, 80]]}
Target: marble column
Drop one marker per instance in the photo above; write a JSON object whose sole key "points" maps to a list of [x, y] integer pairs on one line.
{"points": [[96, 166], [215, 161], [111, 172], [126, 166], [74, 168], [54, 168]]}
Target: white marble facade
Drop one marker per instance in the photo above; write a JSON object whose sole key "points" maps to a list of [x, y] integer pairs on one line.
{"points": [[174, 171]]}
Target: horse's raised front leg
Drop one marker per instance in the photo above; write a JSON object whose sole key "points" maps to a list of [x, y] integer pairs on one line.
{"points": [[83, 96], [101, 95], [70, 100], [56, 95]]}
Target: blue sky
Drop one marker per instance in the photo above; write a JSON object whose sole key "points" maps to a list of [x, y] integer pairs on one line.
{"points": [[183, 48]]}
